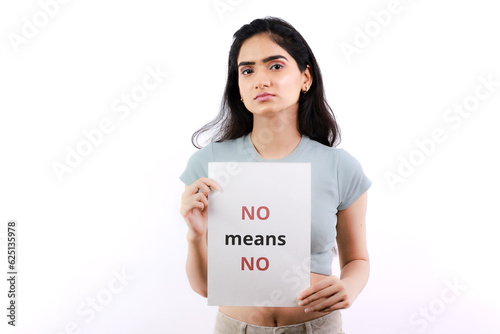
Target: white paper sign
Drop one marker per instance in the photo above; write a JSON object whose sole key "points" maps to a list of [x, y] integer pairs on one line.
{"points": [[259, 233]]}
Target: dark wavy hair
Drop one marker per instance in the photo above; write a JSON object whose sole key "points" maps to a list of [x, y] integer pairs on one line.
{"points": [[315, 117]]}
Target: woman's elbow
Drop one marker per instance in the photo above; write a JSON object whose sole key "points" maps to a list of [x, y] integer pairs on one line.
{"points": [[201, 291]]}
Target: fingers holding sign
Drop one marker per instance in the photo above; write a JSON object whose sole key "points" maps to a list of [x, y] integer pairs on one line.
{"points": [[194, 204], [194, 198], [204, 185], [328, 295]]}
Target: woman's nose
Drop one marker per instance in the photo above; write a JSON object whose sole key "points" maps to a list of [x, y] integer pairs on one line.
{"points": [[261, 80]]}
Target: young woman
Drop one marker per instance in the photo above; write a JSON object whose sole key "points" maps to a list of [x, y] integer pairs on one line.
{"points": [[274, 110]]}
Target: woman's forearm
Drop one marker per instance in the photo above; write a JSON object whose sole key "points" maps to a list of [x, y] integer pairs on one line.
{"points": [[355, 276], [196, 264]]}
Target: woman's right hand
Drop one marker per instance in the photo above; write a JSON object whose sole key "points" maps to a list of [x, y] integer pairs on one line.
{"points": [[194, 206]]}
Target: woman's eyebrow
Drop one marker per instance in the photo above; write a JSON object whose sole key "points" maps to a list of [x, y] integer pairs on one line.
{"points": [[265, 60]]}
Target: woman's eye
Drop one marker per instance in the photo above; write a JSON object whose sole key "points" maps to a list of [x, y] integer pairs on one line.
{"points": [[246, 71], [276, 67]]}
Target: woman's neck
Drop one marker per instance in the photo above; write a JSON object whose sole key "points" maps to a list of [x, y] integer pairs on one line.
{"points": [[275, 137]]}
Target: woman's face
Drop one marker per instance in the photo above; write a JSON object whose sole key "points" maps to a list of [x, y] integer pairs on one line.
{"points": [[269, 79]]}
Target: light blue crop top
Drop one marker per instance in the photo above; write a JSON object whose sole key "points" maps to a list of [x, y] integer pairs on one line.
{"points": [[337, 181]]}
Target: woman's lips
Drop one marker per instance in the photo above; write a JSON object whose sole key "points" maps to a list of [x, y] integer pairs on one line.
{"points": [[263, 97]]}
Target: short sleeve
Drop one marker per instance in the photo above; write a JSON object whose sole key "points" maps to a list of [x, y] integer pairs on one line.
{"points": [[197, 165], [352, 180]]}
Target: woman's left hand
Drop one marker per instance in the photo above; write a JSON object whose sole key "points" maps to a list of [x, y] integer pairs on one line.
{"points": [[327, 295]]}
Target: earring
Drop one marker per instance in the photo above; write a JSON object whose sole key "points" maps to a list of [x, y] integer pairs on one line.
{"points": [[305, 90], [241, 99]]}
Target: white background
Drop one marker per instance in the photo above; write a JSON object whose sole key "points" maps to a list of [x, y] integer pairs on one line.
{"points": [[119, 209]]}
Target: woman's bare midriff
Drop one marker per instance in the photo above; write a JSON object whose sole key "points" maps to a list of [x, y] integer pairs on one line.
{"points": [[273, 316]]}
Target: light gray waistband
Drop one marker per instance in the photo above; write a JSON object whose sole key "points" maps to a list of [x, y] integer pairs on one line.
{"points": [[328, 324]]}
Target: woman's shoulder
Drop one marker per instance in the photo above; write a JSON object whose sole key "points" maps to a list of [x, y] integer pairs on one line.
{"points": [[216, 148], [316, 147], [340, 155]]}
